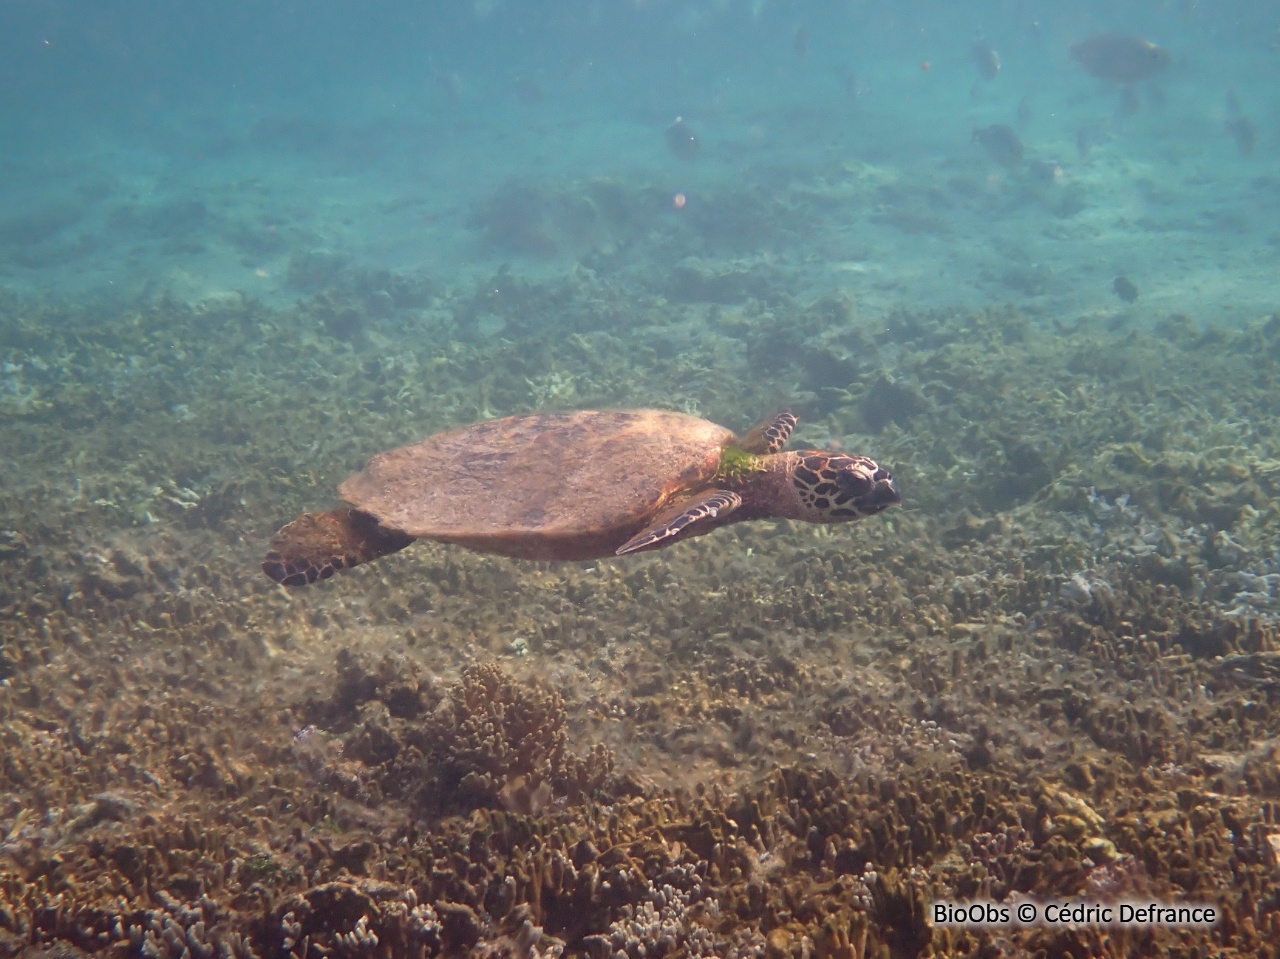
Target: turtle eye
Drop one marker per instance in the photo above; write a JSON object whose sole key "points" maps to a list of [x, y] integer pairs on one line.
{"points": [[854, 481]]}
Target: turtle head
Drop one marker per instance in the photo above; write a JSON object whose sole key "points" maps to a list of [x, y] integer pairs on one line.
{"points": [[839, 487]]}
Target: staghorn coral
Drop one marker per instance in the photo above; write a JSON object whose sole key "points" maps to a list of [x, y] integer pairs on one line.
{"points": [[675, 915], [358, 919]]}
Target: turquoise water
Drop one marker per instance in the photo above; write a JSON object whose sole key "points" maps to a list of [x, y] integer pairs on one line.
{"points": [[208, 151], [1023, 254]]}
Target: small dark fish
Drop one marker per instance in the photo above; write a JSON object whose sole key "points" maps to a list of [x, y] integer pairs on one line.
{"points": [[985, 59], [1119, 58], [800, 42], [1001, 143], [1239, 127], [1124, 289], [681, 140], [1025, 112]]}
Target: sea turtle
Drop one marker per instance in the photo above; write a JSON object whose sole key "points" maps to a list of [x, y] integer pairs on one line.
{"points": [[575, 486]]}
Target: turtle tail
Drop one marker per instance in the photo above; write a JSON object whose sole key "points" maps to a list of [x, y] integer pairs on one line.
{"points": [[317, 545]]}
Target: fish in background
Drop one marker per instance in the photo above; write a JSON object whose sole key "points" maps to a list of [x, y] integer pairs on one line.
{"points": [[1001, 144], [1239, 127], [1125, 61], [985, 59], [1124, 288], [1120, 58]]}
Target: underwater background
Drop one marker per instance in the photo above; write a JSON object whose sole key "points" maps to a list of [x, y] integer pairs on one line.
{"points": [[1022, 253]]}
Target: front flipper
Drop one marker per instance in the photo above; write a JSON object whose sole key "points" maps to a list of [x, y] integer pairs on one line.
{"points": [[770, 435], [690, 518], [317, 545]]}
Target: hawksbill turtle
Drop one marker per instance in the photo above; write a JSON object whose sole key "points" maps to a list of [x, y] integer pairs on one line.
{"points": [[576, 486]]}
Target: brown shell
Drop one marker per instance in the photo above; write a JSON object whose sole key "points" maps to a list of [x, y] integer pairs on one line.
{"points": [[541, 486]]}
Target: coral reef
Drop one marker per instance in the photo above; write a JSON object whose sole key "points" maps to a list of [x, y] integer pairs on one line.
{"points": [[1056, 675], [501, 742]]}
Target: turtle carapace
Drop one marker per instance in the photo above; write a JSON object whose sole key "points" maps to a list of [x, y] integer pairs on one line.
{"points": [[576, 486]]}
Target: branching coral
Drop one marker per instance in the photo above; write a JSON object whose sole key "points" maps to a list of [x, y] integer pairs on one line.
{"points": [[504, 743]]}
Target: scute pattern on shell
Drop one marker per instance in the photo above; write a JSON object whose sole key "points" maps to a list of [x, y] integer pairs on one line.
{"points": [[531, 485]]}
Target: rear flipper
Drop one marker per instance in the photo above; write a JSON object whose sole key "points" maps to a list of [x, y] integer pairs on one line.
{"points": [[690, 518], [317, 545]]}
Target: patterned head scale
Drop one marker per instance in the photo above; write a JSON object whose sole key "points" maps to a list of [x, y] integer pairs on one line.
{"points": [[839, 488]]}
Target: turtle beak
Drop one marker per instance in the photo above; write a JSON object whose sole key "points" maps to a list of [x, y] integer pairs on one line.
{"points": [[883, 494]]}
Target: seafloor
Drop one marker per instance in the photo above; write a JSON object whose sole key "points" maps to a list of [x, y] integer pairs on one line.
{"points": [[1054, 674]]}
